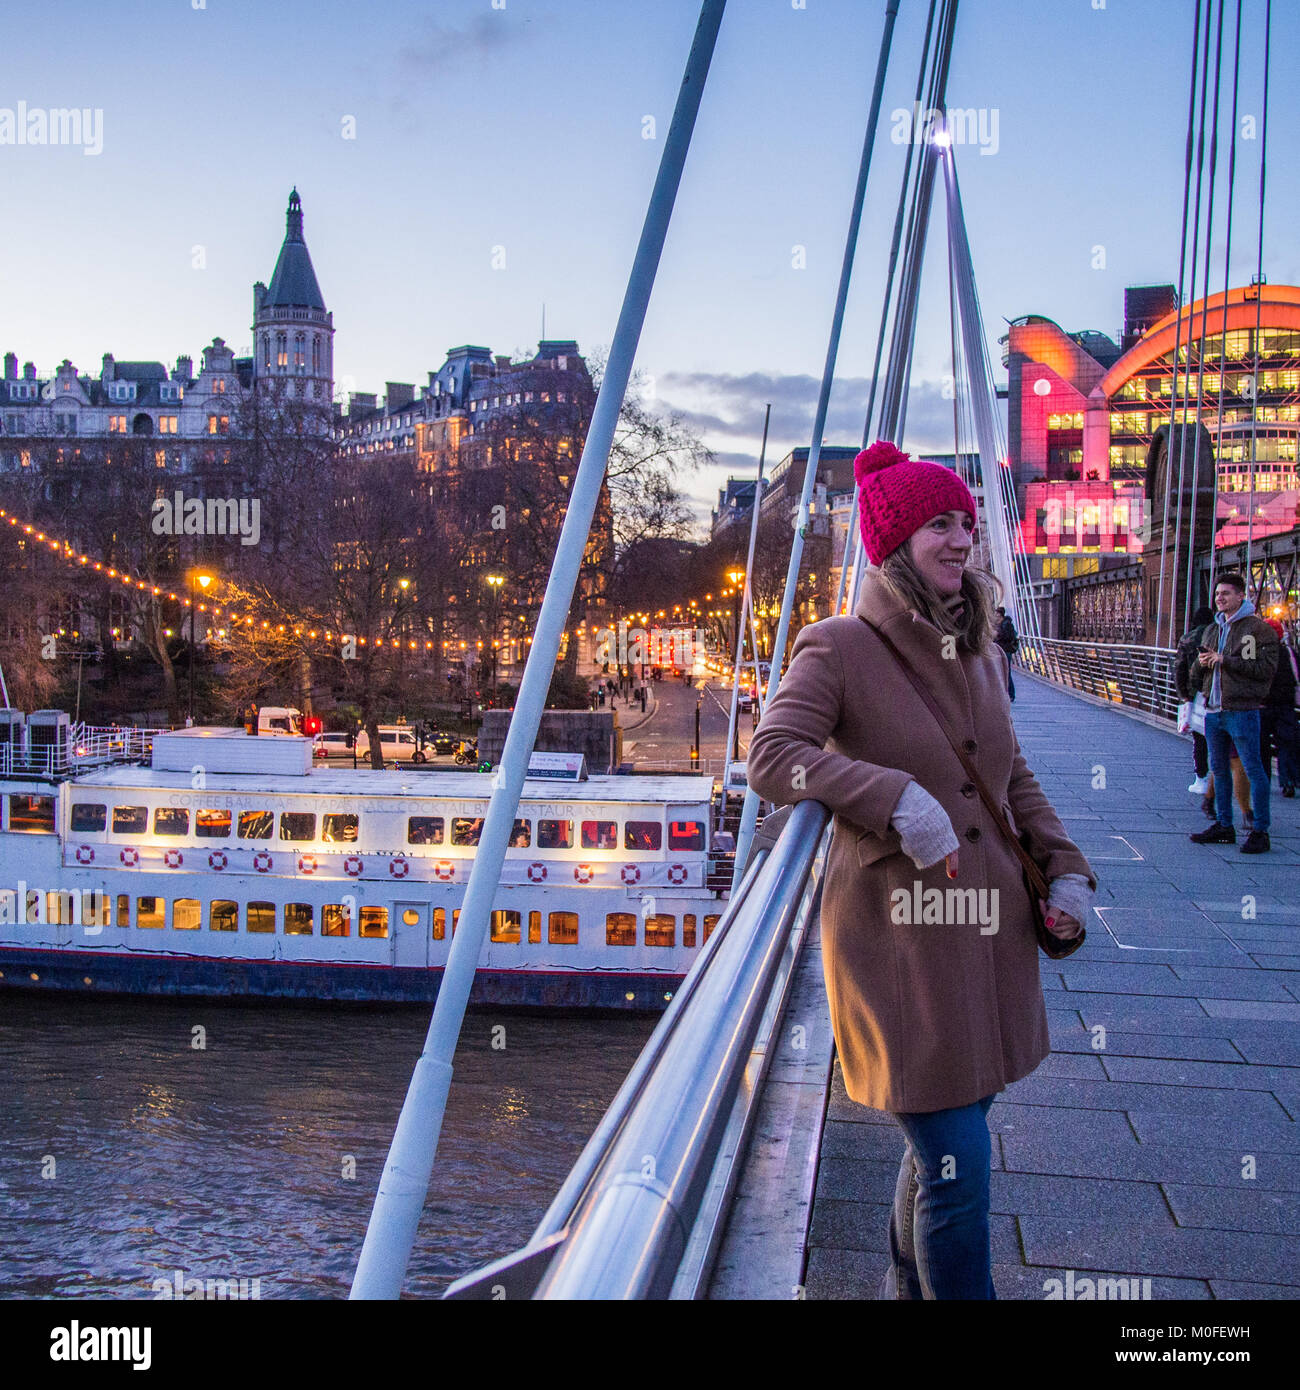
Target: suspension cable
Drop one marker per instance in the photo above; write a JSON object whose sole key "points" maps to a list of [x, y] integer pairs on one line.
{"points": [[1259, 294]]}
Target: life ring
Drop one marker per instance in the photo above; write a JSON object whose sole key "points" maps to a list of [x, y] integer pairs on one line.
{"points": [[307, 864], [399, 867], [130, 858], [583, 873], [217, 859], [173, 858], [262, 861], [631, 874], [444, 870], [353, 865], [85, 855], [537, 873], [677, 873]]}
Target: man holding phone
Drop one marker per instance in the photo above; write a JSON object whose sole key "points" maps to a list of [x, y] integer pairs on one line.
{"points": [[1238, 656]]}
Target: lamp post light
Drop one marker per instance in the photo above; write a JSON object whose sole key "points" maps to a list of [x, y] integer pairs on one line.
{"points": [[202, 580], [494, 582]]}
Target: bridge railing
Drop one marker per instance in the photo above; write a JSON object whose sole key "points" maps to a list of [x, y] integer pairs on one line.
{"points": [[74, 749], [640, 1215], [1123, 673]]}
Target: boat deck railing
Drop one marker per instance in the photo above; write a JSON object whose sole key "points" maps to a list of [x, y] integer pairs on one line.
{"points": [[1122, 673], [75, 749], [641, 1214]]}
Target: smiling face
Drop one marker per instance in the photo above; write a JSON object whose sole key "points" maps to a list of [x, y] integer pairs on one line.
{"points": [[1228, 598], [941, 548]]}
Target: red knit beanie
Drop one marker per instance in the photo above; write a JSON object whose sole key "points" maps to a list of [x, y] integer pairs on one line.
{"points": [[898, 494]]}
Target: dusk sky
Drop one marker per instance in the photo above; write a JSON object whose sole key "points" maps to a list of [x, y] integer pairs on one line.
{"points": [[522, 128]]}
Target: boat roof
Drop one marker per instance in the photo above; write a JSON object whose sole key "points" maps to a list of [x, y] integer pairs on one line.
{"points": [[451, 786]]}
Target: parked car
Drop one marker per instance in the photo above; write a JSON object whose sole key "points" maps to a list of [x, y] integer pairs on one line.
{"points": [[331, 746], [396, 743], [745, 701]]}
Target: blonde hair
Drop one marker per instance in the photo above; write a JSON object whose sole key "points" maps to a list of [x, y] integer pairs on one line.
{"points": [[968, 616]]}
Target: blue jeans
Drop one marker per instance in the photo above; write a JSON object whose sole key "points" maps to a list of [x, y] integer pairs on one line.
{"points": [[939, 1230], [1242, 727]]}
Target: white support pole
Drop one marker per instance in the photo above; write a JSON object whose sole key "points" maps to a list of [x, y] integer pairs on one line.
{"points": [[405, 1180]]}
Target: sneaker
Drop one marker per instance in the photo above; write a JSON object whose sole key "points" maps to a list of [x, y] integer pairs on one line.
{"points": [[1200, 786], [1216, 835], [1207, 808], [1256, 843]]}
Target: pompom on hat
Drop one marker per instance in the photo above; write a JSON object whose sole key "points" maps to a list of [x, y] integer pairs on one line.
{"points": [[898, 494]]}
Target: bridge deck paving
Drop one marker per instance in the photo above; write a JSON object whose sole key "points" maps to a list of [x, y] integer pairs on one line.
{"points": [[1159, 1139]]}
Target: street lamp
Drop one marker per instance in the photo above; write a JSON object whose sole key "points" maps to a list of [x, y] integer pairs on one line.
{"points": [[202, 580], [495, 581]]}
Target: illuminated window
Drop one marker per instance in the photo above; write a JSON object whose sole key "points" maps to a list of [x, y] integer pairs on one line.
{"points": [[440, 923], [374, 922], [171, 820], [223, 915], [424, 830], [87, 817], [466, 830], [688, 929], [130, 820], [620, 929], [643, 835], [562, 928], [685, 834], [117, 424], [600, 834], [150, 912], [256, 825], [339, 829], [212, 825], [218, 424], [298, 826], [521, 837], [710, 921], [299, 919], [187, 914], [661, 929], [168, 424], [335, 920], [259, 917], [505, 927], [554, 834], [534, 928], [31, 815], [123, 910]]}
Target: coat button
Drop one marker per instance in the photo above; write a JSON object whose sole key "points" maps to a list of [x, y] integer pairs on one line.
{"points": [[970, 745], [968, 789], [973, 833]]}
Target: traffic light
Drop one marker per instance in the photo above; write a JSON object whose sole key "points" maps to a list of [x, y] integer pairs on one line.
{"points": [[312, 725]]}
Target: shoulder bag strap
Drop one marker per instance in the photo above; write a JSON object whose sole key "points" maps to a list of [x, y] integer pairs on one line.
{"points": [[1037, 879]]}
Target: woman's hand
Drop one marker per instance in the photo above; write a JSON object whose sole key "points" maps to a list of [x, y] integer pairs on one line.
{"points": [[1068, 905], [925, 833], [1059, 922]]}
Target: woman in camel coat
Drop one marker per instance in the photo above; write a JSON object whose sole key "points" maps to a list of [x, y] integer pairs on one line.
{"points": [[934, 996]]}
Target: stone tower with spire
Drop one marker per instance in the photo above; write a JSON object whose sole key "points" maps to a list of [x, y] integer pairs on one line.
{"points": [[293, 332]]}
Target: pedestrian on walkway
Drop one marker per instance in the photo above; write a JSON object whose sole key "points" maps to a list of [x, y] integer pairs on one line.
{"points": [[1238, 658], [1009, 640], [933, 1014], [1279, 734], [1187, 681]]}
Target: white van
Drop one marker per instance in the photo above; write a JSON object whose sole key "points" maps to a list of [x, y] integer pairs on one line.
{"points": [[396, 743]]}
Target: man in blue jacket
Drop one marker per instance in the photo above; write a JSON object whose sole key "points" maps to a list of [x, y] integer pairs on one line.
{"points": [[1239, 654]]}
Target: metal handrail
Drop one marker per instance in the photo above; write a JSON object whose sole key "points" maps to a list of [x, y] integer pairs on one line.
{"points": [[78, 748], [1123, 673], [623, 1219]]}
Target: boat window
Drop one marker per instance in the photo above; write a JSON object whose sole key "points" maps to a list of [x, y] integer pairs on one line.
{"points": [[335, 920], [339, 829], [61, 908], [440, 923], [562, 929], [87, 817], [685, 834], [424, 830], [534, 928], [123, 910], [171, 820], [710, 921], [298, 919], [95, 908], [374, 921], [223, 915], [620, 929], [130, 820], [688, 929], [600, 834], [187, 914], [505, 927], [297, 825], [661, 929], [521, 837], [31, 814], [466, 830], [260, 917], [212, 825], [256, 825], [643, 834], [411, 916], [554, 834], [150, 912]]}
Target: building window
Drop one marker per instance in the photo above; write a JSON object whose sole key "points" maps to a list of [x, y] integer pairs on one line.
{"points": [[168, 424], [219, 386], [281, 350], [117, 424]]}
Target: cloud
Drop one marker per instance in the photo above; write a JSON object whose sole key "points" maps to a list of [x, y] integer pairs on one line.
{"points": [[438, 47]]}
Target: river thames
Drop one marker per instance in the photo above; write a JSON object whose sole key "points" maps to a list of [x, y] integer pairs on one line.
{"points": [[245, 1141]]}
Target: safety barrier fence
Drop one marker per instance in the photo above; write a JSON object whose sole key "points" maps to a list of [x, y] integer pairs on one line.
{"points": [[1123, 673]]}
